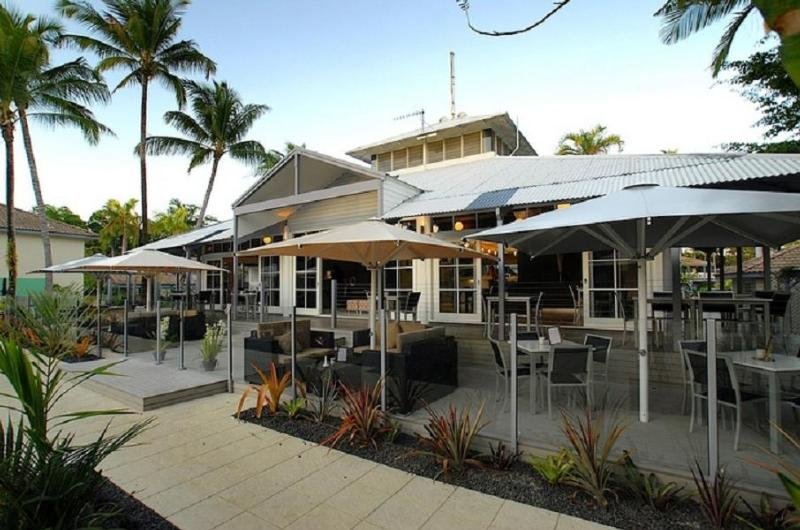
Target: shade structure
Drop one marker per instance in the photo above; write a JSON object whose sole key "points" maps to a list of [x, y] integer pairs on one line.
{"points": [[371, 243], [147, 262], [76, 265], [643, 220]]}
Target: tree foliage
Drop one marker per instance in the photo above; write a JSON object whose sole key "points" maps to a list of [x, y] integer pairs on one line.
{"points": [[64, 214], [595, 141]]}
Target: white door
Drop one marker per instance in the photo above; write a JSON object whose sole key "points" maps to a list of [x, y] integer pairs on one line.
{"points": [[457, 290]]}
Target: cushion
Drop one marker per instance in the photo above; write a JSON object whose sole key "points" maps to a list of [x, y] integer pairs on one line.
{"points": [[412, 326], [285, 343], [392, 332]]}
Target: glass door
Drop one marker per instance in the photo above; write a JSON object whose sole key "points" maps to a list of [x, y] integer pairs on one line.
{"points": [[611, 285], [457, 296]]}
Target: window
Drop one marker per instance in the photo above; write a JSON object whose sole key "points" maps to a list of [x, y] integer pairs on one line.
{"points": [[452, 148], [384, 162], [612, 282], [472, 144], [457, 286], [214, 278], [397, 278], [415, 156], [306, 278], [399, 159], [435, 152], [271, 277]]}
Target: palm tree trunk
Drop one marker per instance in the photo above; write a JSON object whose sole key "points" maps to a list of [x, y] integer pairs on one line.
{"points": [[143, 162], [11, 239], [784, 19], [44, 225], [213, 176]]}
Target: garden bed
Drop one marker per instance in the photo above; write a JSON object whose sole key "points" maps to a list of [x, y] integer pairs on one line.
{"points": [[71, 359], [132, 513], [520, 483]]}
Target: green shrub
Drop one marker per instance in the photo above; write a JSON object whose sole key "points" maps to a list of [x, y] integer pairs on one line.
{"points": [[554, 469], [717, 496], [648, 488], [765, 517], [501, 457], [450, 436], [46, 479]]}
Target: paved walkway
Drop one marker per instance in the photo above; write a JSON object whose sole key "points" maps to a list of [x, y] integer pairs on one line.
{"points": [[202, 469]]}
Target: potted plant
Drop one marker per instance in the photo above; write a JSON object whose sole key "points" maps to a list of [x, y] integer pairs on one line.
{"points": [[212, 344]]}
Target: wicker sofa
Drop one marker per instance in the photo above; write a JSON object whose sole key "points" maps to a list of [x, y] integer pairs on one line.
{"points": [[271, 342]]}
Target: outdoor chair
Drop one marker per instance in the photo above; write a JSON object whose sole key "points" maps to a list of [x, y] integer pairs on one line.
{"points": [[626, 317], [568, 367], [686, 380], [729, 394], [601, 352], [777, 311], [503, 371], [409, 305], [537, 314]]}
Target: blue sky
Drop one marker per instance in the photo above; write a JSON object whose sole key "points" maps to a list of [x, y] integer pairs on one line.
{"points": [[336, 73]]}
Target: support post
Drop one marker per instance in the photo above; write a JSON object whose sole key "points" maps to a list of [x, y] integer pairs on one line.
{"points": [[373, 293], [158, 331], [125, 329], [677, 297], [333, 304], [644, 367], [501, 284], [711, 370], [99, 311], [148, 297], [383, 358], [721, 268], [293, 323], [739, 270], [263, 300], [767, 268], [180, 334], [235, 279], [513, 364], [709, 263], [229, 316]]}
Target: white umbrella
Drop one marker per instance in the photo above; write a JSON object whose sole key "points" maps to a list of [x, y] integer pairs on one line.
{"points": [[372, 243], [641, 221]]}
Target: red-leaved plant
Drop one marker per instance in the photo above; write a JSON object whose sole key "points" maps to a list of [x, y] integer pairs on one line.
{"points": [[363, 422], [450, 436]]}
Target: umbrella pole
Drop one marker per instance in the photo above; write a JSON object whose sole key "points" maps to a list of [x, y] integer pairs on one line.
{"points": [[180, 333], [125, 315], [372, 293], [382, 313], [158, 331], [99, 332], [641, 307]]}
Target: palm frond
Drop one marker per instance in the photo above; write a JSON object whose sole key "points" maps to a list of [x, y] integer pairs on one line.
{"points": [[249, 152], [726, 41], [682, 18], [170, 145]]}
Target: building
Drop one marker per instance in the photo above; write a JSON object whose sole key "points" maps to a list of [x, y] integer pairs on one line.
{"points": [[67, 242], [454, 178]]}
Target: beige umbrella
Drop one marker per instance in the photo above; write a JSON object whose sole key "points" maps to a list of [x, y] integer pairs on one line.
{"points": [[372, 243]]}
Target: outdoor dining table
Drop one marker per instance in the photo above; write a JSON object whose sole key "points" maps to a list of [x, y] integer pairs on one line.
{"points": [[509, 299], [540, 351], [778, 366]]}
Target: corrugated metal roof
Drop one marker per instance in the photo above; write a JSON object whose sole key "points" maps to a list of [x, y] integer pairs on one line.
{"points": [[559, 178], [205, 234]]}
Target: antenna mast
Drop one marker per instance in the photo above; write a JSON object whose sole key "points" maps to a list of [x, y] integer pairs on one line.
{"points": [[420, 113], [452, 85]]}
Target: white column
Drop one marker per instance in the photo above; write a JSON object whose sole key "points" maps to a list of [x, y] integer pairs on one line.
{"points": [[641, 313], [373, 292]]}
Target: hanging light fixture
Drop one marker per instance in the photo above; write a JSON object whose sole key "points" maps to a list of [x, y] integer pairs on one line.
{"points": [[267, 240], [459, 226]]}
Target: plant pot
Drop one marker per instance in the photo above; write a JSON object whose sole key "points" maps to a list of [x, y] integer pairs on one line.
{"points": [[159, 357], [209, 364]]}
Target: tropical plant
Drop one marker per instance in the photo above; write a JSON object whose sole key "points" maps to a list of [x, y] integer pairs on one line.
{"points": [[788, 474], [64, 215], [23, 54], [82, 347], [47, 480], [119, 225], [682, 18], [449, 438], [271, 157], [405, 393], [141, 38], [592, 436], [327, 393], [555, 468], [501, 457], [294, 407], [765, 517], [219, 123], [172, 222], [57, 97], [716, 495], [595, 141], [211, 344], [648, 488], [268, 392], [52, 322], [363, 423]]}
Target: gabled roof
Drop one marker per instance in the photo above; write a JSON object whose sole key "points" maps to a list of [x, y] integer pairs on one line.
{"points": [[540, 180], [286, 160], [25, 221], [781, 259], [502, 124]]}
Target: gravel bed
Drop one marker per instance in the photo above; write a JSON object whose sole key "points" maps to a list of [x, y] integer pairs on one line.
{"points": [[132, 513], [520, 483], [85, 359]]}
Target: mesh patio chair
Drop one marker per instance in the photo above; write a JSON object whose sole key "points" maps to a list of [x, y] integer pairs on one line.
{"points": [[601, 352], [503, 371], [729, 394], [409, 305], [568, 367]]}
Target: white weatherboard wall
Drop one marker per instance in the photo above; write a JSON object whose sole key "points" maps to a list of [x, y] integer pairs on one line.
{"points": [[395, 192], [333, 212]]}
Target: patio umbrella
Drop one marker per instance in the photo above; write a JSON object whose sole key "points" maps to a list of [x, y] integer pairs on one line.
{"points": [[371, 243], [82, 265], [641, 221], [149, 262]]}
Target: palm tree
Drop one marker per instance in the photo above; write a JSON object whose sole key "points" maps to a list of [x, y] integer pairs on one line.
{"points": [[56, 97], [140, 37], [592, 142], [176, 220], [273, 156], [23, 53], [218, 126], [120, 224], [683, 18]]}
